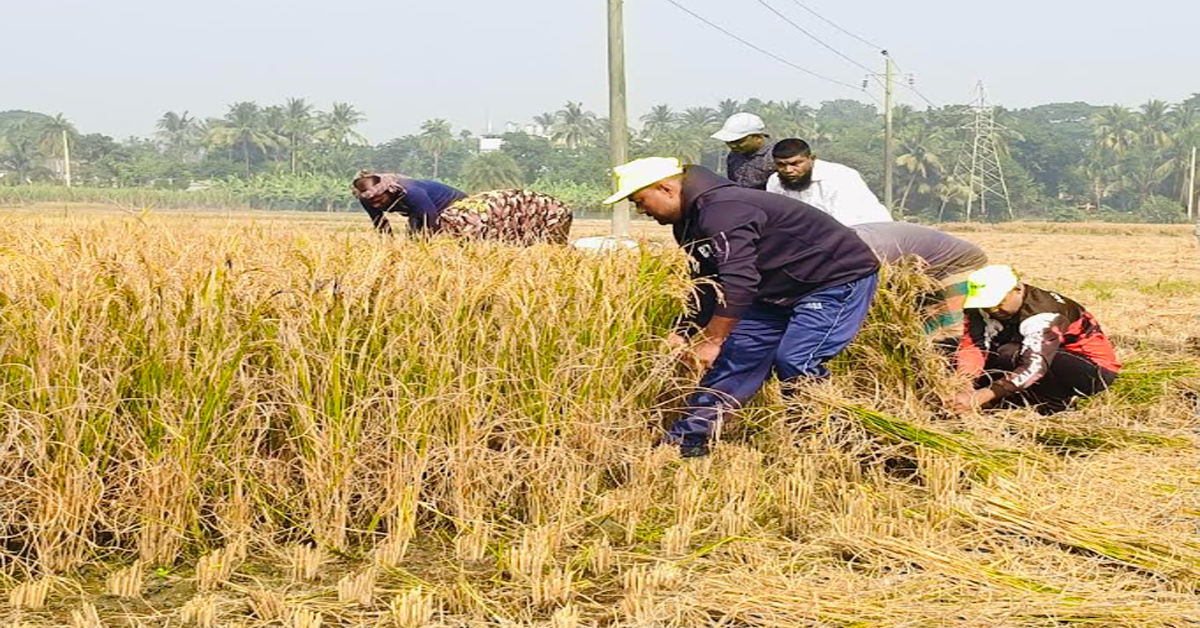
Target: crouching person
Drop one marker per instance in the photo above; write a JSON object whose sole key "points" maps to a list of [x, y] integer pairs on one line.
{"points": [[518, 217], [1025, 345], [796, 285]]}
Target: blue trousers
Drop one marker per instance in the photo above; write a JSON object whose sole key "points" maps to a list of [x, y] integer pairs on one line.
{"points": [[793, 342]]}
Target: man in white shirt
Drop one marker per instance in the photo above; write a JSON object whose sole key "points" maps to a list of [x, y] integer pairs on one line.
{"points": [[832, 188]]}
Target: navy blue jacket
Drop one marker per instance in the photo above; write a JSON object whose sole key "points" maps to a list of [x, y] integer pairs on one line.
{"points": [[762, 247], [422, 204]]}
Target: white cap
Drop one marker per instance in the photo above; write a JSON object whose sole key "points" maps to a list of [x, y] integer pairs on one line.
{"points": [[740, 125], [641, 173]]}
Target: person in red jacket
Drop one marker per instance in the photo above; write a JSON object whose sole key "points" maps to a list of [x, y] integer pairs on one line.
{"points": [[1025, 344]]}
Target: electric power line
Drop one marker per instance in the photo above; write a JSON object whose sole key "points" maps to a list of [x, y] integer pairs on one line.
{"points": [[830, 22], [908, 84], [813, 37], [764, 51]]}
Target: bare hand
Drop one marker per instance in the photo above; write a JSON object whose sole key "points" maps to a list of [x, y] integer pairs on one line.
{"points": [[963, 402], [969, 401], [675, 342], [705, 354]]}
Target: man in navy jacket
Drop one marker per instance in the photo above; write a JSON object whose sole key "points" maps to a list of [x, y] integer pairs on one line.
{"points": [[795, 285]]}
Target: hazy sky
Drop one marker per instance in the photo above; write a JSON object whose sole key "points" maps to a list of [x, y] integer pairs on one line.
{"points": [[115, 66]]}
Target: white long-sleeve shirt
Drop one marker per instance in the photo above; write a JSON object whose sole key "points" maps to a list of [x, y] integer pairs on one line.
{"points": [[838, 191]]}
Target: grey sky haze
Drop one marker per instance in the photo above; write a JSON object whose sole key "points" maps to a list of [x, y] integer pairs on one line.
{"points": [[115, 66]]}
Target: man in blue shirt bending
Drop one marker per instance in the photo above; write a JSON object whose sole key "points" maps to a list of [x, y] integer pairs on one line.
{"points": [[419, 200]]}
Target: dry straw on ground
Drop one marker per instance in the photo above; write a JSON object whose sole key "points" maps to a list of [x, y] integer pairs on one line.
{"points": [[335, 430]]}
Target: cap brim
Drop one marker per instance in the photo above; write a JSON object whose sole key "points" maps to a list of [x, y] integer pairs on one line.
{"points": [[618, 197], [982, 301], [725, 136]]}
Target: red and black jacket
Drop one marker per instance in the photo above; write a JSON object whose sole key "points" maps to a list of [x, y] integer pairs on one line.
{"points": [[1047, 322]]}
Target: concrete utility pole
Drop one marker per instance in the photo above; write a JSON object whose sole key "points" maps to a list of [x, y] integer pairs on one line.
{"points": [[889, 161], [66, 157], [617, 116]]}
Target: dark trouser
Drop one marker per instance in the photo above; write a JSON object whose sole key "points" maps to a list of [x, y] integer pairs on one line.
{"points": [[1069, 376], [795, 342]]}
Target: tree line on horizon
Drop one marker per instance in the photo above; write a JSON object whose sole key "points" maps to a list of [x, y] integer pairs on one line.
{"points": [[1063, 161]]}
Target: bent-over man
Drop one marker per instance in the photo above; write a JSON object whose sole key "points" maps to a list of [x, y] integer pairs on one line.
{"points": [[796, 285]]}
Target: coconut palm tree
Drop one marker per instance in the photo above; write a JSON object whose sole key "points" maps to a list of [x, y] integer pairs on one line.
{"points": [[298, 126], [492, 171], [546, 121], [1185, 134], [336, 128], [243, 127], [684, 143], [704, 119], [1115, 128], [177, 133], [574, 126], [1156, 123], [918, 156], [56, 134], [727, 108], [658, 121], [436, 138]]}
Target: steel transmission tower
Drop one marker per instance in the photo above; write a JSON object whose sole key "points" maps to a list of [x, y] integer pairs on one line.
{"points": [[979, 160]]}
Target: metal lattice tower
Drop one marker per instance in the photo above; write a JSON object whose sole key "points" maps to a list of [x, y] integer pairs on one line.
{"points": [[980, 158]]}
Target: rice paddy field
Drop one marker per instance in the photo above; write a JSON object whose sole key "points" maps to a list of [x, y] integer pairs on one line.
{"points": [[278, 419]]}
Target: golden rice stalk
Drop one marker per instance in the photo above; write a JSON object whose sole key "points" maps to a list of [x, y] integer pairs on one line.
{"points": [[530, 558], [472, 546], [566, 617], [266, 605], [677, 539], [357, 588], [552, 588], [30, 595], [126, 583], [664, 576], [412, 609], [86, 616], [304, 618], [217, 567], [795, 496], [600, 557], [390, 553], [306, 561], [200, 611]]}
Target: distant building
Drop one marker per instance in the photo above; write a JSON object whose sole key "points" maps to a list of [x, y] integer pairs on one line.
{"points": [[490, 144]]}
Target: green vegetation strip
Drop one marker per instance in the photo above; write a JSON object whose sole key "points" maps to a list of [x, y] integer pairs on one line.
{"points": [[989, 459]]}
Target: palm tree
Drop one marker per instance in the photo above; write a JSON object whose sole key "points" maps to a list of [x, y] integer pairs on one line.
{"points": [[573, 126], [298, 126], [56, 141], [700, 118], [1185, 125], [918, 157], [727, 108], [684, 143], [337, 126], [20, 156], [178, 133], [243, 126], [435, 139], [546, 121], [492, 171], [1115, 128], [658, 121], [1156, 121]]}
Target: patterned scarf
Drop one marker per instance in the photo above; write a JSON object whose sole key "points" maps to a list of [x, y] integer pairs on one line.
{"points": [[389, 183]]}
